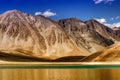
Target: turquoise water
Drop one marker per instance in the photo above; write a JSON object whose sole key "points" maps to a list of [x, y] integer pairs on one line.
{"points": [[58, 65]]}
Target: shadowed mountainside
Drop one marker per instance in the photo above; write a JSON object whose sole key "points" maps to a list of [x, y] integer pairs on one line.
{"points": [[11, 57]]}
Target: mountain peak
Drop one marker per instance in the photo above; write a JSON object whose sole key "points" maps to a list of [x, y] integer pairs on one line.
{"points": [[13, 12], [92, 20], [13, 15], [73, 19]]}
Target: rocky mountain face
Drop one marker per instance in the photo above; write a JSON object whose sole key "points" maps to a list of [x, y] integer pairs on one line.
{"points": [[21, 33], [117, 31], [116, 28], [103, 30], [92, 35], [40, 37], [111, 54]]}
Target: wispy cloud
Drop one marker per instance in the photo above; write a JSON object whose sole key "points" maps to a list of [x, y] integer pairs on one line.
{"points": [[101, 20], [118, 17], [112, 19], [113, 25], [115, 18], [38, 13], [105, 1], [104, 21], [47, 13]]}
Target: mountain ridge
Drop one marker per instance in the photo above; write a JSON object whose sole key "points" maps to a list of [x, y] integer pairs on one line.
{"points": [[39, 35], [45, 38]]}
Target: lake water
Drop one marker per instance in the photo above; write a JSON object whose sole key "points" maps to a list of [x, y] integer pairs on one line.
{"points": [[60, 71]]}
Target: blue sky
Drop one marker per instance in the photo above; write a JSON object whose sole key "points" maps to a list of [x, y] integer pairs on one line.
{"points": [[106, 11]]}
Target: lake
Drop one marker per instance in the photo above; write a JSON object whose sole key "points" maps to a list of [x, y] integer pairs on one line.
{"points": [[59, 71]]}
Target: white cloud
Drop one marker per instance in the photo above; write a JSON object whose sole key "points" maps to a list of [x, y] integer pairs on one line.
{"points": [[38, 13], [104, 21], [47, 13], [112, 19], [113, 25], [116, 18], [105, 1], [116, 24], [101, 20], [97, 1]]}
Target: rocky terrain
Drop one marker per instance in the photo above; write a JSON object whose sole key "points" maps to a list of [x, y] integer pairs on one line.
{"points": [[22, 34], [92, 35], [111, 54]]}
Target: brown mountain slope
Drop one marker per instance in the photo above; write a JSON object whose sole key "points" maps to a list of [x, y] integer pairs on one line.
{"points": [[112, 54], [40, 37], [86, 34], [117, 31], [103, 30], [8, 56], [35, 35]]}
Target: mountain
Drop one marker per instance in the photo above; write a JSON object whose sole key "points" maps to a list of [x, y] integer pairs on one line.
{"points": [[117, 31], [38, 36], [103, 30], [111, 54], [116, 28], [10, 57], [23, 35], [91, 35]]}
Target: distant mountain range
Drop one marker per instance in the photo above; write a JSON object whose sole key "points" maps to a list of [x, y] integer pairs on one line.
{"points": [[39, 37]]}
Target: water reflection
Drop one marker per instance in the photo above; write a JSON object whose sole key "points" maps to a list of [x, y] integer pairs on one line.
{"points": [[59, 74]]}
